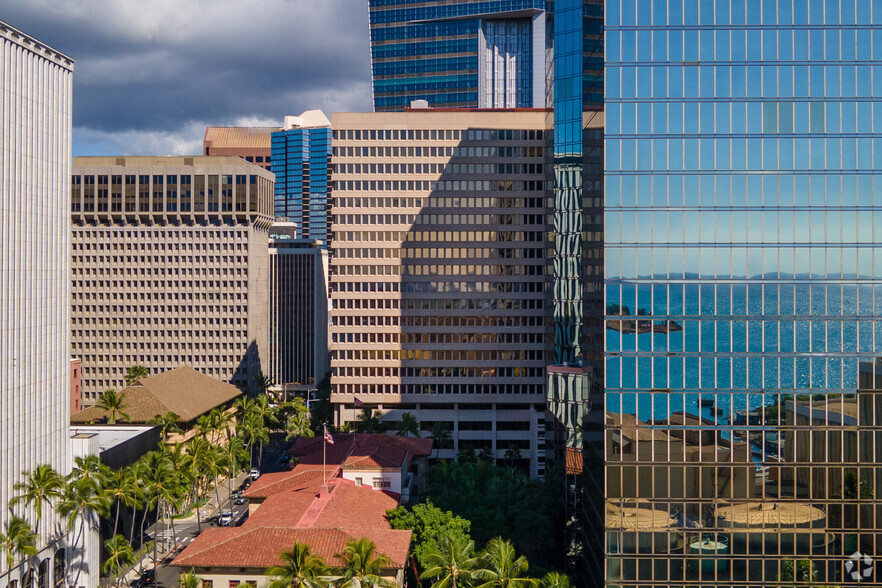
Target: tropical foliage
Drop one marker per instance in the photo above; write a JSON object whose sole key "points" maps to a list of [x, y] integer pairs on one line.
{"points": [[114, 404], [503, 502], [299, 569], [135, 373], [430, 525]]}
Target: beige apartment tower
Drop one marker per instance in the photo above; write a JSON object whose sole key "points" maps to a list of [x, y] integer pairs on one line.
{"points": [[439, 273], [170, 267]]}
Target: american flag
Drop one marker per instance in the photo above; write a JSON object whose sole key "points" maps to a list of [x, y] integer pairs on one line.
{"points": [[328, 438]]}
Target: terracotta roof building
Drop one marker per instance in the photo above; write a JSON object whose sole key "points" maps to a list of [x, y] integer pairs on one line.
{"points": [[297, 506], [183, 390]]}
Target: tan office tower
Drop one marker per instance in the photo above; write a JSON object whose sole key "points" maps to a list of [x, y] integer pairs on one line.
{"points": [[35, 143], [170, 267], [253, 144], [439, 274]]}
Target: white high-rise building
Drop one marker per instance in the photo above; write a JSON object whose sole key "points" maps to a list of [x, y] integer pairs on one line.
{"points": [[35, 157]]}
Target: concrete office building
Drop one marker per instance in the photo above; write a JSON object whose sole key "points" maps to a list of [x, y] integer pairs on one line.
{"points": [[35, 147], [299, 319], [253, 144], [439, 274], [463, 54], [301, 154], [170, 267]]}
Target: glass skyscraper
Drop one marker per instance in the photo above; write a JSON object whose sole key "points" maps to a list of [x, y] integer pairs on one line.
{"points": [[743, 291], [463, 54], [301, 152]]}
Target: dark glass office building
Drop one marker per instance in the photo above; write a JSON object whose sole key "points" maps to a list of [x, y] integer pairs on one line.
{"points": [[463, 54], [301, 152], [743, 292]]}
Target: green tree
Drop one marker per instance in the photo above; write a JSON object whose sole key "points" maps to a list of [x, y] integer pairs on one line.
{"points": [[114, 405], [17, 539], [123, 489], [299, 568], [501, 568], [199, 450], [163, 483], [320, 410], [512, 455], [555, 580], [298, 422], [362, 565], [369, 421], [804, 571], [430, 525], [451, 563], [83, 501], [408, 425], [41, 486], [119, 556], [167, 423], [191, 580], [442, 437], [135, 373]]}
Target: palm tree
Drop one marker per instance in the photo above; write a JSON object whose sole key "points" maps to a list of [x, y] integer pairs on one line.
{"points": [[17, 539], [199, 449], [501, 568], [298, 424], [162, 481], [362, 566], [83, 500], [135, 373], [42, 484], [555, 580], [262, 383], [369, 421], [299, 568], [123, 489], [168, 423], [408, 425], [441, 436], [191, 580], [235, 457], [114, 404], [119, 556], [453, 563]]}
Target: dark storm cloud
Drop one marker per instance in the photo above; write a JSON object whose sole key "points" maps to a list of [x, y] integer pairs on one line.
{"points": [[150, 75]]}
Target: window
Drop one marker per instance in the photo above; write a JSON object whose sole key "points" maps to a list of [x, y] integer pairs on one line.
{"points": [[381, 483], [358, 482]]}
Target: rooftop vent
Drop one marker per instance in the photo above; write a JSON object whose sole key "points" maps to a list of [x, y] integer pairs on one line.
{"points": [[419, 104]]}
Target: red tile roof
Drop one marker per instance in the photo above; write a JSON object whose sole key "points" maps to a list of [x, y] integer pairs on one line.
{"points": [[300, 478], [259, 547], [573, 461], [362, 451]]}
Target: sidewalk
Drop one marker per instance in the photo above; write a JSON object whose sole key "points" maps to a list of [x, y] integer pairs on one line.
{"points": [[209, 509]]}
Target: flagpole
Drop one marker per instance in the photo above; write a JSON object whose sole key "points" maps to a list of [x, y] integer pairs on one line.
{"points": [[324, 454]]}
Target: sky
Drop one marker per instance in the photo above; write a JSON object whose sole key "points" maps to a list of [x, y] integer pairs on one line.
{"points": [[150, 75]]}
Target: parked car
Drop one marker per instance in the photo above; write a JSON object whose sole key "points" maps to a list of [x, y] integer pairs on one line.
{"points": [[148, 578], [136, 583], [240, 499], [236, 494], [225, 519], [254, 473], [245, 484]]}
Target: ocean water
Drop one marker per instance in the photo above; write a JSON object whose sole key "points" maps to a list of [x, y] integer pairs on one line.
{"points": [[741, 345]]}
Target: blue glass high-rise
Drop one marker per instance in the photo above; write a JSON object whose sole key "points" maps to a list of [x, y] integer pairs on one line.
{"points": [[301, 153], [743, 290], [463, 54]]}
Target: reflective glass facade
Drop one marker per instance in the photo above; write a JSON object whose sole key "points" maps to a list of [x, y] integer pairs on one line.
{"points": [[463, 54], [743, 290], [300, 162]]}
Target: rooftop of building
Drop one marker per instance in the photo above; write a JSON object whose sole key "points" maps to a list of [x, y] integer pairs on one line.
{"points": [[183, 390], [239, 137], [363, 451], [310, 119], [110, 436], [170, 161], [299, 506], [453, 118], [23, 39], [259, 547]]}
